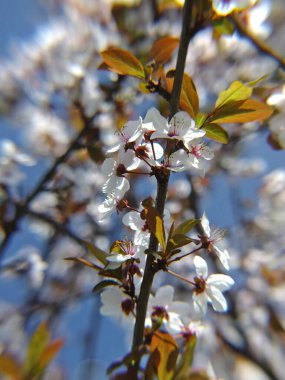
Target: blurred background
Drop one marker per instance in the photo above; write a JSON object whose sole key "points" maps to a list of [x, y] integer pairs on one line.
{"points": [[50, 179]]}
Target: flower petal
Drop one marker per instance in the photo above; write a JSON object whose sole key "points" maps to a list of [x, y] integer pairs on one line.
{"points": [[201, 267]]}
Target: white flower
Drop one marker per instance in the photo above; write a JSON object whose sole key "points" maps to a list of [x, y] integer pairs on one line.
{"points": [[225, 7], [111, 203], [154, 121], [10, 152], [131, 133], [115, 170], [181, 127], [198, 152], [134, 221], [163, 306], [115, 303], [209, 288], [211, 241], [123, 250]]}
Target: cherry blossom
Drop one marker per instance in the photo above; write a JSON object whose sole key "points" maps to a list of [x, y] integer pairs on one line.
{"points": [[181, 127], [113, 202], [115, 170], [128, 136], [209, 288], [125, 250], [115, 303], [225, 7], [165, 308]]}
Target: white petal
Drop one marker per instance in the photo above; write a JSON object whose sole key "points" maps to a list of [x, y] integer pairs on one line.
{"points": [[218, 300], [201, 267], [220, 281], [205, 225], [164, 295], [200, 303], [133, 220], [154, 116], [108, 166], [158, 150], [223, 256]]}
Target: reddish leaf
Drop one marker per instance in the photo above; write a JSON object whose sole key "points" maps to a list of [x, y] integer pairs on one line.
{"points": [[123, 62], [50, 352], [163, 48], [242, 112], [10, 367], [189, 100], [164, 350]]}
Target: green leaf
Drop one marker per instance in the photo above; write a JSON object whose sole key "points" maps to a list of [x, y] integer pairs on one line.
{"points": [[35, 349], [242, 112], [216, 132], [223, 26], [164, 352], [257, 81], [104, 284], [180, 240], [123, 62], [97, 252], [163, 48], [200, 119], [237, 91], [182, 371], [186, 226]]}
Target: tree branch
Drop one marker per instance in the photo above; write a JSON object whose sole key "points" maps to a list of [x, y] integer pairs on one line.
{"points": [[259, 44], [162, 182]]}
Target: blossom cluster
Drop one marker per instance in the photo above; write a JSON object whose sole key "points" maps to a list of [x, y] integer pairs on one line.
{"points": [[147, 147]]}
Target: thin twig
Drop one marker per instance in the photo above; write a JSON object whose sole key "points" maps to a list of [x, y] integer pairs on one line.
{"points": [[20, 211]]}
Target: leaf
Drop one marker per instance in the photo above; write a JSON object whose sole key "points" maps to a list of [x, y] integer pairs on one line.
{"points": [[155, 224], [216, 132], [236, 91], [83, 261], [10, 367], [165, 351], [257, 81], [223, 26], [123, 62], [198, 375], [50, 352], [163, 48], [103, 284], [97, 252], [242, 112], [35, 349], [200, 119], [186, 226], [189, 100], [185, 363], [180, 240]]}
